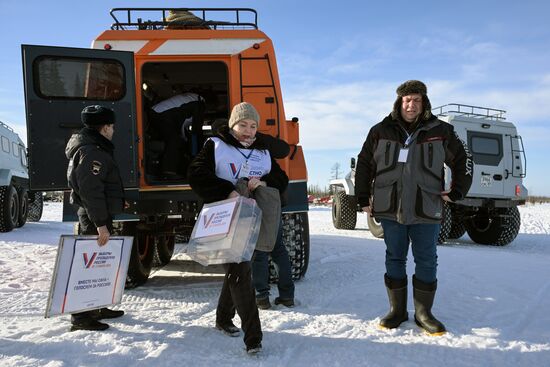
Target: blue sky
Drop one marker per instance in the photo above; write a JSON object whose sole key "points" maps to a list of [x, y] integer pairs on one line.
{"points": [[340, 64]]}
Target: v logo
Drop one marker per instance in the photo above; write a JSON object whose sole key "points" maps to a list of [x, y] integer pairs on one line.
{"points": [[234, 171], [89, 262], [208, 220]]}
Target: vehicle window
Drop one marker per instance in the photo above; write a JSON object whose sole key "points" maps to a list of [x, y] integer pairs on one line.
{"points": [[485, 145], [486, 148], [95, 79], [15, 149], [5, 144]]}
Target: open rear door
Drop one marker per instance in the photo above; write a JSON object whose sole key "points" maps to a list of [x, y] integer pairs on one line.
{"points": [[59, 83]]}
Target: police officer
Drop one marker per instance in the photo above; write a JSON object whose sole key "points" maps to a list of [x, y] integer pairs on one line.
{"points": [[399, 180], [96, 188]]}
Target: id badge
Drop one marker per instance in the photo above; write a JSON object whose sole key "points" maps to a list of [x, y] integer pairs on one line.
{"points": [[403, 153], [245, 169]]}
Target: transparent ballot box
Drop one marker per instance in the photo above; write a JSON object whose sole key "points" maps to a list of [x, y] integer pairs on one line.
{"points": [[225, 232]]}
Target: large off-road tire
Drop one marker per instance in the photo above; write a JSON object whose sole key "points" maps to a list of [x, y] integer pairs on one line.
{"points": [[446, 224], [296, 240], [36, 205], [344, 211], [9, 208], [23, 208], [375, 227], [497, 227], [141, 258], [164, 250], [458, 228]]}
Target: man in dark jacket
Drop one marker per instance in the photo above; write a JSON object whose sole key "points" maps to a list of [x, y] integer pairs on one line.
{"points": [[96, 188], [400, 181]]}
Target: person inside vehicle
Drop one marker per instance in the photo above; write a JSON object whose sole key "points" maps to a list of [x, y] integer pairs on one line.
{"points": [[173, 117]]}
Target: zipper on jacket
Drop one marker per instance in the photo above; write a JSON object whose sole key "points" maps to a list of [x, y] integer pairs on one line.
{"points": [[430, 155], [387, 156]]}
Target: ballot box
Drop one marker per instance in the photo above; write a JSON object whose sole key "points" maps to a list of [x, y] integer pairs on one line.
{"points": [[225, 232]]}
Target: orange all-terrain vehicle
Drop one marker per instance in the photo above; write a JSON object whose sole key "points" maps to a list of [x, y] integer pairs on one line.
{"points": [[218, 54]]}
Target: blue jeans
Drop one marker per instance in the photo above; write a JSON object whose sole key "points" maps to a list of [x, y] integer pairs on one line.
{"points": [[423, 239], [260, 270]]}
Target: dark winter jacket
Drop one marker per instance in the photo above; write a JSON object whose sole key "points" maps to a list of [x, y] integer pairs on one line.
{"points": [[93, 176], [410, 192], [209, 187]]}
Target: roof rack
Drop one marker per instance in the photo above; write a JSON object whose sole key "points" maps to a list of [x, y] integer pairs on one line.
{"points": [[458, 109], [6, 126], [228, 18]]}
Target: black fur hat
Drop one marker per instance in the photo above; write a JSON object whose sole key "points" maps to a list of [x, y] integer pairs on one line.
{"points": [[413, 87], [97, 115]]}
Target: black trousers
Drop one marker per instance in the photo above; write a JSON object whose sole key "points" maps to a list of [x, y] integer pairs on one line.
{"points": [[87, 227], [238, 294]]}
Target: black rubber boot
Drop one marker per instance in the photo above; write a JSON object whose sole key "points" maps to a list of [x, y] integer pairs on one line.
{"points": [[105, 313], [88, 324], [423, 295], [397, 295]]}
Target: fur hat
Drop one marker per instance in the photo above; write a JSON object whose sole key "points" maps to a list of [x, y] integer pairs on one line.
{"points": [[243, 111], [413, 87], [97, 115]]}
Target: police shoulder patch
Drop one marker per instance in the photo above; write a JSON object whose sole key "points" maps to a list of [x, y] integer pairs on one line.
{"points": [[96, 167]]}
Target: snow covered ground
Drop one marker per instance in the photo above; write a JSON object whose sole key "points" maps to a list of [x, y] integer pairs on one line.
{"points": [[494, 301]]}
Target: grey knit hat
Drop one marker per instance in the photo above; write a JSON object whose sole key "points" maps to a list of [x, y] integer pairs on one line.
{"points": [[243, 111], [413, 87]]}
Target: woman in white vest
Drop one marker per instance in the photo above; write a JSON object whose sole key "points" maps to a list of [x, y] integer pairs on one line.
{"points": [[236, 152]]}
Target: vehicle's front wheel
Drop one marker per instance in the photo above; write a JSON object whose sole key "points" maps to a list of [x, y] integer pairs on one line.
{"points": [[497, 227], [23, 208], [446, 224], [375, 227], [344, 211], [296, 240], [9, 208]]}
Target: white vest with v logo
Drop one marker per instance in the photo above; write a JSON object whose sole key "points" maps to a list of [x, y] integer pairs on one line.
{"points": [[233, 163]]}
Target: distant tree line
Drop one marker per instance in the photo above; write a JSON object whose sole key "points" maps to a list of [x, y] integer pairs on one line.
{"points": [[318, 191], [538, 199]]}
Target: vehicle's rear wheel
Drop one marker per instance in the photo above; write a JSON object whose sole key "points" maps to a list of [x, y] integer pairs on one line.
{"points": [[141, 258], [446, 224], [9, 208], [496, 227], [36, 205], [344, 211], [23, 208], [296, 240], [164, 249], [375, 227], [458, 228]]}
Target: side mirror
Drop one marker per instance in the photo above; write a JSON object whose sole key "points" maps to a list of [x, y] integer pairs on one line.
{"points": [[294, 119], [352, 163]]}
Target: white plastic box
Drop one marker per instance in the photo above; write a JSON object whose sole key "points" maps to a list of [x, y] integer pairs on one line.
{"points": [[225, 232]]}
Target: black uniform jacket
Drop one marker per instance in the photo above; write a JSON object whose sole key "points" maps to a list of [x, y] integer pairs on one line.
{"points": [[408, 189], [94, 176], [202, 170]]}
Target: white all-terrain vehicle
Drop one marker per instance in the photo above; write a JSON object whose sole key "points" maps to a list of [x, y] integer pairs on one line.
{"points": [[17, 204], [489, 211]]}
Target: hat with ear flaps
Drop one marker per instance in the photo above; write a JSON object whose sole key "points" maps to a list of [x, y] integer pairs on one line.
{"points": [[412, 87], [97, 115]]}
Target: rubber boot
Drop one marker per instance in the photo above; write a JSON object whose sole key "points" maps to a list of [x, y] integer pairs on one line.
{"points": [[397, 295], [423, 295]]}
